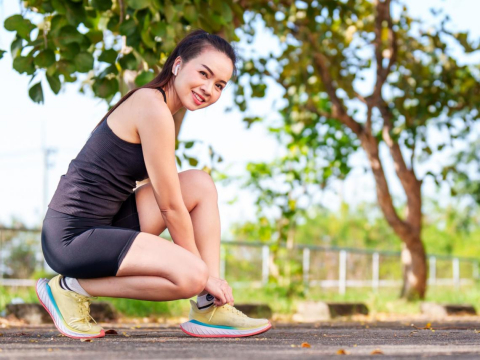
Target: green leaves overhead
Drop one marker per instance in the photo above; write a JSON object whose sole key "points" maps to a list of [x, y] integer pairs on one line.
{"points": [[1, 53], [90, 36]]}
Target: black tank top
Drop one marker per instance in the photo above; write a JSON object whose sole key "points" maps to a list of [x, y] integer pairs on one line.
{"points": [[101, 177]]}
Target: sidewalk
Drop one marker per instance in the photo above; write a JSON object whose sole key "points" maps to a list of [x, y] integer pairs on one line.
{"points": [[399, 340]]}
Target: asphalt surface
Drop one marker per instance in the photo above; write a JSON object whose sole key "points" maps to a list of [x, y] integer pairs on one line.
{"points": [[396, 340]]}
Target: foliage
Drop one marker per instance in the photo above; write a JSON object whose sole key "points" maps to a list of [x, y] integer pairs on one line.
{"points": [[450, 230], [62, 39]]}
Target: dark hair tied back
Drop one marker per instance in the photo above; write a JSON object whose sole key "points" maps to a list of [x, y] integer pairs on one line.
{"points": [[192, 45]]}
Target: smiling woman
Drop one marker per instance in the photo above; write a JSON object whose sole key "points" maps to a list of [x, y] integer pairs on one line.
{"points": [[102, 236]]}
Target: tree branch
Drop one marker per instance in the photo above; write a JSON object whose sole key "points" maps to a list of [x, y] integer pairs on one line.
{"points": [[383, 15], [370, 145], [411, 185], [339, 112]]}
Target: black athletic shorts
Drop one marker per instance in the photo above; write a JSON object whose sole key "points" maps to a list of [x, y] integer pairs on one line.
{"points": [[86, 248]]}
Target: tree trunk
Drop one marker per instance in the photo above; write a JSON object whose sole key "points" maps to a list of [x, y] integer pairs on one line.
{"points": [[409, 230], [414, 269]]}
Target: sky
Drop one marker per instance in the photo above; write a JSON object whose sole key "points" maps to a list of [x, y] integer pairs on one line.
{"points": [[64, 122]]}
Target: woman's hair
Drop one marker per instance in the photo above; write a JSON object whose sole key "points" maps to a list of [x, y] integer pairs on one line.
{"points": [[190, 47]]}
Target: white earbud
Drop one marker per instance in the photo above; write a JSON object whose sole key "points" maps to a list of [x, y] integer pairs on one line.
{"points": [[176, 69]]}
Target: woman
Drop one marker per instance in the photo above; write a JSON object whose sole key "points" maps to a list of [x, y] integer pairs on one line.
{"points": [[102, 236]]}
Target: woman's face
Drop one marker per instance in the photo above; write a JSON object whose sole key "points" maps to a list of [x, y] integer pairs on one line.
{"points": [[204, 77]]}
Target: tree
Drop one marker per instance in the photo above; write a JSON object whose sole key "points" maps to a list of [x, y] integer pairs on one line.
{"points": [[117, 44], [330, 51]]}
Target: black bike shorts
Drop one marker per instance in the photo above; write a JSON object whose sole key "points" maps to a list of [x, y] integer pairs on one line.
{"points": [[88, 248]]}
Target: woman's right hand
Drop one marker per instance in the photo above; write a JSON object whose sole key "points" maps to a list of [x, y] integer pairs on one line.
{"points": [[220, 289]]}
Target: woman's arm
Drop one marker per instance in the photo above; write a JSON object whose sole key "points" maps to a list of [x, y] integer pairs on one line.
{"points": [[156, 130]]}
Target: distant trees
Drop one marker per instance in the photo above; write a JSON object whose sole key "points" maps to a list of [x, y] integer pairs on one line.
{"points": [[357, 77]]}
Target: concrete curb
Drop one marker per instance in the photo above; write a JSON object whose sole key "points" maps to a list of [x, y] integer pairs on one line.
{"points": [[313, 311], [255, 310], [443, 310], [35, 314]]}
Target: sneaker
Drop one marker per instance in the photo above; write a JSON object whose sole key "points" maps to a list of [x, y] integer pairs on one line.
{"points": [[222, 321], [69, 310]]}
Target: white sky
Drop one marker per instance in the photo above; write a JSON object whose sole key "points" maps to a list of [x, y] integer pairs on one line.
{"points": [[67, 119]]}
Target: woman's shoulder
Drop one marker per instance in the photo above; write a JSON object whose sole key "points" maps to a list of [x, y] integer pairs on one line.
{"points": [[147, 104], [148, 94]]}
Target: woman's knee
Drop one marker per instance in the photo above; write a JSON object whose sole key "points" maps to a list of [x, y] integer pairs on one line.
{"points": [[202, 182], [193, 281]]}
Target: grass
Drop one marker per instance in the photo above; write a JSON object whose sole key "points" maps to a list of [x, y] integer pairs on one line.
{"points": [[283, 301]]}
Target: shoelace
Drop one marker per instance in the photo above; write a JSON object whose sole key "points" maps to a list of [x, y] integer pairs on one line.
{"points": [[228, 307], [84, 311]]}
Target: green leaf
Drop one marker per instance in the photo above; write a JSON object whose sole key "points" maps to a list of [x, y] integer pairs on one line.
{"points": [[70, 51], [108, 56], [1, 53], [102, 5], [105, 88], [151, 58], [69, 34], [144, 78], [128, 62], [16, 46], [169, 11], [22, 26], [192, 161], [226, 13], [13, 22], [128, 27], [95, 36], [112, 24], [159, 29], [190, 13], [36, 93], [147, 40], [189, 144], [44, 58], [84, 61], [59, 7], [24, 64], [54, 83], [138, 4]]}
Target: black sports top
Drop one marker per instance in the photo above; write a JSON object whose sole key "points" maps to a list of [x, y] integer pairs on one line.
{"points": [[101, 177]]}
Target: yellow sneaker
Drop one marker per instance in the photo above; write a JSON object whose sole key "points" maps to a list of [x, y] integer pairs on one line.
{"points": [[222, 321], [69, 310]]}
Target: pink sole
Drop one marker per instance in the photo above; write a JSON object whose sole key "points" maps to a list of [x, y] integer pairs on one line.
{"points": [[102, 333], [229, 336]]}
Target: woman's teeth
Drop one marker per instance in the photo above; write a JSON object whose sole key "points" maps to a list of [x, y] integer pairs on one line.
{"points": [[196, 96]]}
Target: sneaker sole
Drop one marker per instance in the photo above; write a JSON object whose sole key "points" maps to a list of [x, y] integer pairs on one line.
{"points": [[199, 329], [49, 304]]}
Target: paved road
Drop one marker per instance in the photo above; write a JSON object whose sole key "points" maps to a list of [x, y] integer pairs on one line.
{"points": [[153, 341]]}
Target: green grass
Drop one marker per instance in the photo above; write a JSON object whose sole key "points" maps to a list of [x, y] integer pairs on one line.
{"points": [[281, 300]]}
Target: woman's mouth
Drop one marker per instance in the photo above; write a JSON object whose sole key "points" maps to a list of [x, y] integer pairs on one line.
{"points": [[197, 100]]}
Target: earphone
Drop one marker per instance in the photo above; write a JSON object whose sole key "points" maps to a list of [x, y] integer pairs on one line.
{"points": [[176, 69]]}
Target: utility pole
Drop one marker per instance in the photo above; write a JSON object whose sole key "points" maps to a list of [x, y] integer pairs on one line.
{"points": [[47, 152], [47, 164]]}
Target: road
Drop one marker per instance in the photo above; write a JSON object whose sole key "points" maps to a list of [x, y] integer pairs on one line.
{"points": [[397, 340]]}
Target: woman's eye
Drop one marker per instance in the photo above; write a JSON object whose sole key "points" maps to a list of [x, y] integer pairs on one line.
{"points": [[203, 72], [220, 87]]}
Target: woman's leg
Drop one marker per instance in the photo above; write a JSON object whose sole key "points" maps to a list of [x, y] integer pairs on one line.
{"points": [[201, 199], [156, 269]]}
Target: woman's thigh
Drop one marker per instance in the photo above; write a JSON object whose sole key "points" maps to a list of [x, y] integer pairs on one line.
{"points": [[151, 255], [194, 184]]}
